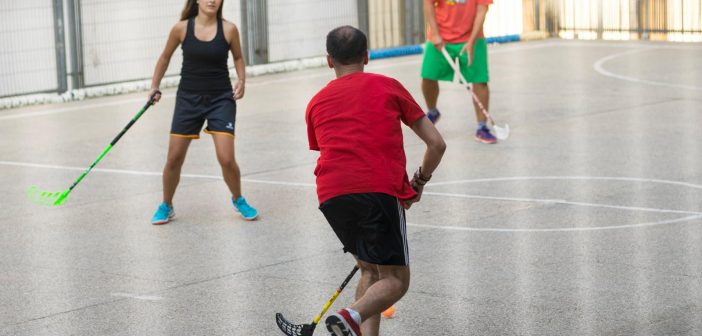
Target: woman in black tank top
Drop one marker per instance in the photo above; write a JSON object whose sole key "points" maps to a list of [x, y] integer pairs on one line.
{"points": [[205, 94]]}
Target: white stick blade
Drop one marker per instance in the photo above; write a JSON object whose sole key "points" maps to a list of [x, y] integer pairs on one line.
{"points": [[502, 133]]}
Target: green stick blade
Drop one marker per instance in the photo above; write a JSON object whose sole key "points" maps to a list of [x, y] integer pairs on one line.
{"points": [[49, 198], [62, 198]]}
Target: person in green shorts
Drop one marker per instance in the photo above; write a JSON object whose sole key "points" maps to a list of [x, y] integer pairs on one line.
{"points": [[457, 26]]}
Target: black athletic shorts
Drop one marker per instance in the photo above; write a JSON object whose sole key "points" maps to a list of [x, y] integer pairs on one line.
{"points": [[370, 226], [192, 109]]}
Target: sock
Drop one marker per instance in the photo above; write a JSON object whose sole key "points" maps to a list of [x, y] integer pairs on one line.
{"points": [[434, 110], [355, 316], [481, 125]]}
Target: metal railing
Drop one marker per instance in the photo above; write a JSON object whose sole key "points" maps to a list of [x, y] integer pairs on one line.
{"points": [[393, 23], [669, 20]]}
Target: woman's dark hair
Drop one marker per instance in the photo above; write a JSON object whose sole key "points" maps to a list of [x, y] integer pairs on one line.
{"points": [[347, 45], [191, 9]]}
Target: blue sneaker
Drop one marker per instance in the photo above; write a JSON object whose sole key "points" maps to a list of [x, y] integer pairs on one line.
{"points": [[244, 209], [163, 214], [483, 135], [434, 116]]}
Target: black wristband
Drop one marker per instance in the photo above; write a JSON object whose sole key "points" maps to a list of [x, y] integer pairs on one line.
{"points": [[419, 178]]}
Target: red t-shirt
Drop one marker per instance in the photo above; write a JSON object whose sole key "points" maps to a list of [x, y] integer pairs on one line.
{"points": [[354, 122], [455, 19]]}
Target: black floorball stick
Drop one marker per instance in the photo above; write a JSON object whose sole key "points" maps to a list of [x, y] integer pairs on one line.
{"points": [[308, 329]]}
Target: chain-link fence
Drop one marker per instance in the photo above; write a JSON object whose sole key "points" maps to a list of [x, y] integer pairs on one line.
{"points": [[297, 28], [28, 56], [73, 44]]}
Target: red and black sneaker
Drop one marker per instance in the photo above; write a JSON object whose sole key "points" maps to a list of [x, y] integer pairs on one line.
{"points": [[342, 324]]}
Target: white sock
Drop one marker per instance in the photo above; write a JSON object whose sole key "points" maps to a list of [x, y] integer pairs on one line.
{"points": [[355, 316]]}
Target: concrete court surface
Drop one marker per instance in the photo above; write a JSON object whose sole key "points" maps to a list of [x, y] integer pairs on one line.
{"points": [[586, 221]]}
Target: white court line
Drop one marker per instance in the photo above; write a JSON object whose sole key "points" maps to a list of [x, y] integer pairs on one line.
{"points": [[564, 202], [146, 173], [300, 184], [141, 100], [292, 184], [599, 67], [138, 297], [574, 229], [627, 45], [587, 178]]}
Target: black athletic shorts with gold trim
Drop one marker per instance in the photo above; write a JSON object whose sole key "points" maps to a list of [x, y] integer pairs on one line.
{"points": [[193, 109], [370, 226]]}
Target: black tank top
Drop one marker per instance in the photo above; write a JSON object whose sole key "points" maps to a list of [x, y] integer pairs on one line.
{"points": [[205, 63]]}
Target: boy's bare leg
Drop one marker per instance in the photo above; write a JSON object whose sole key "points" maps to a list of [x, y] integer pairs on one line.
{"points": [[379, 288], [482, 91], [430, 89]]}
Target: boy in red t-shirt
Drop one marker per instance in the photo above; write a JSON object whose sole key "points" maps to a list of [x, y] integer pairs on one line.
{"points": [[363, 188]]}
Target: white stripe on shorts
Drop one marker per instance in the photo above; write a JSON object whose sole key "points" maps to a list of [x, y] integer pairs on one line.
{"points": [[403, 230]]}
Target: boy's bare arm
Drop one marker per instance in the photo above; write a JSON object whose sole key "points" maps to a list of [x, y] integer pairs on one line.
{"points": [[432, 156]]}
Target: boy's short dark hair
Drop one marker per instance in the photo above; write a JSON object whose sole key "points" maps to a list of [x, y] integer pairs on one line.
{"points": [[347, 45]]}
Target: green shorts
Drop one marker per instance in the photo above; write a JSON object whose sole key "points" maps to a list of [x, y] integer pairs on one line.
{"points": [[435, 67]]}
